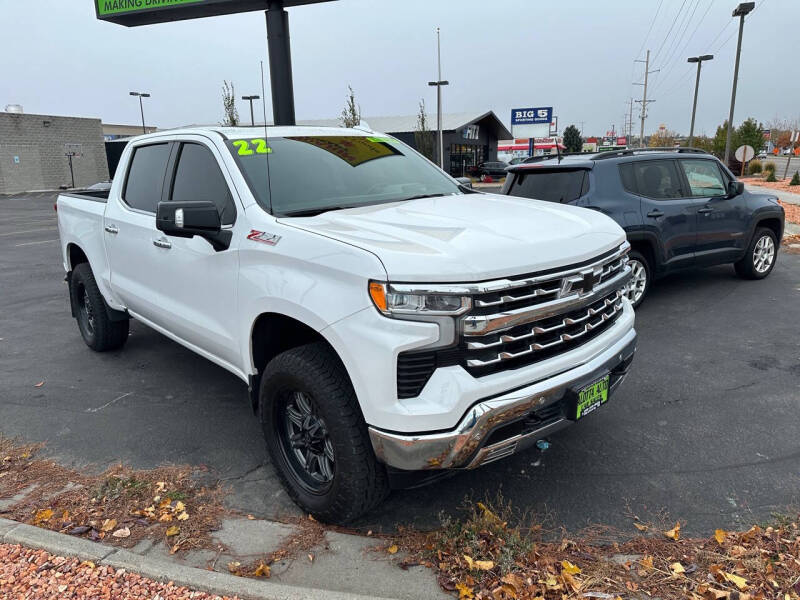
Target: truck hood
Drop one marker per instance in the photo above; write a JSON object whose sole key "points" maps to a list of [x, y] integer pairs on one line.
{"points": [[469, 237]]}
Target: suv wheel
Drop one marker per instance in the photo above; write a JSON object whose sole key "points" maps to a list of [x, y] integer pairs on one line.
{"points": [[760, 257], [640, 278], [317, 437]]}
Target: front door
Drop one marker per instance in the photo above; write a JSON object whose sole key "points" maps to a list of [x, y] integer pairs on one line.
{"points": [[721, 220], [667, 209]]}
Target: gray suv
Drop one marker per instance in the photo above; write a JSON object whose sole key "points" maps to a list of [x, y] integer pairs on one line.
{"points": [[680, 207]]}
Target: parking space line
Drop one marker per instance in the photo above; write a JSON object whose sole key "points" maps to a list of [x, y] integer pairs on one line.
{"points": [[29, 231], [32, 243]]}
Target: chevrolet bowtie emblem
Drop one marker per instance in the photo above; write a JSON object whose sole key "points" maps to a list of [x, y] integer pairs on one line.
{"points": [[582, 283]]}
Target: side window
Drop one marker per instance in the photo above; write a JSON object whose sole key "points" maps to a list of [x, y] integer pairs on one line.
{"points": [[198, 177], [628, 178], [704, 178], [146, 177], [656, 179]]}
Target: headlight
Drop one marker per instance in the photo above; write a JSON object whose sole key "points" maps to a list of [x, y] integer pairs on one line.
{"points": [[391, 302]]}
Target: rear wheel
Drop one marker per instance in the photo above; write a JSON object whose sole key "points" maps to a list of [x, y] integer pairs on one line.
{"points": [[317, 437], [98, 331], [760, 257], [641, 276]]}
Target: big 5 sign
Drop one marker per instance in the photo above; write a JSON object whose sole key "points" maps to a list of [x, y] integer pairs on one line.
{"points": [[532, 116]]}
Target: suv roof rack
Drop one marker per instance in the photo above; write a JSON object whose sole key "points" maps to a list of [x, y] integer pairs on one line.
{"points": [[532, 159], [632, 151]]}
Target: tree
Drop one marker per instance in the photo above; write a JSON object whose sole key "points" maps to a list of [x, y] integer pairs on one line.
{"points": [[703, 142], [749, 133], [664, 138], [573, 142], [718, 141], [231, 118], [423, 136], [351, 113]]}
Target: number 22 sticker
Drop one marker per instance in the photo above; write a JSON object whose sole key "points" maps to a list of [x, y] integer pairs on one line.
{"points": [[244, 149]]}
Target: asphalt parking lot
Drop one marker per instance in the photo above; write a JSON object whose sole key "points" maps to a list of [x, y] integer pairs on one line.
{"points": [[704, 429]]}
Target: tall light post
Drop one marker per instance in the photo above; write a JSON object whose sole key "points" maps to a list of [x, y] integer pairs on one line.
{"points": [[250, 99], [439, 83], [699, 60], [743, 9], [141, 108]]}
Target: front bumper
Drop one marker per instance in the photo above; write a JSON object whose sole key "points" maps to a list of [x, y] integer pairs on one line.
{"points": [[504, 424]]}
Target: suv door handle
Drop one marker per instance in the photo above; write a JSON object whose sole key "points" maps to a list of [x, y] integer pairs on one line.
{"points": [[111, 228], [705, 209], [162, 243], [655, 213]]}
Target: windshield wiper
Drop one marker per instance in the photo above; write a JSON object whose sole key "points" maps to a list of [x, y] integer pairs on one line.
{"points": [[417, 197], [313, 212]]}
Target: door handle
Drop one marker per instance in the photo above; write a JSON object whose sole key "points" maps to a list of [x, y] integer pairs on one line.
{"points": [[705, 209], [655, 213], [162, 243], [111, 229]]}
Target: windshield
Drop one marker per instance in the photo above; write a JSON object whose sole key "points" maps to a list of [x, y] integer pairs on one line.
{"points": [[312, 174]]}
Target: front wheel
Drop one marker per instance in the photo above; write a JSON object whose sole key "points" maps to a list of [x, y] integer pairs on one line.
{"points": [[760, 257], [317, 437], [641, 275]]}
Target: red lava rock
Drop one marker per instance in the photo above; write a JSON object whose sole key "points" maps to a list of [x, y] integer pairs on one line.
{"points": [[69, 578]]}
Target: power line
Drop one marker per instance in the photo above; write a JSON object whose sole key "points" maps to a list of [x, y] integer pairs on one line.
{"points": [[653, 22], [690, 38], [680, 36], [675, 20]]}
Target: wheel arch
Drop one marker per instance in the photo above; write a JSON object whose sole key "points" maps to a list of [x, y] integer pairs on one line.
{"points": [[75, 256], [772, 223], [647, 247]]}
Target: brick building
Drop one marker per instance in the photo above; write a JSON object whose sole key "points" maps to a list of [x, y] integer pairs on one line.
{"points": [[34, 148]]}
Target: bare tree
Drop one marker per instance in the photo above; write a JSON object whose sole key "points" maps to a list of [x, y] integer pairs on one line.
{"points": [[231, 118], [351, 113], [423, 136]]}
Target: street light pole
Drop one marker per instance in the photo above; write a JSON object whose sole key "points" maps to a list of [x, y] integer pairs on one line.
{"points": [[699, 60], [743, 9], [141, 107], [251, 98], [439, 83]]}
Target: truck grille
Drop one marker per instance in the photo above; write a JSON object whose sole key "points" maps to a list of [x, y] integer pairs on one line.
{"points": [[519, 321]]}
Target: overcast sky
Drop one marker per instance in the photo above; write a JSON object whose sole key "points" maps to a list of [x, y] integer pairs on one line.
{"points": [[575, 55]]}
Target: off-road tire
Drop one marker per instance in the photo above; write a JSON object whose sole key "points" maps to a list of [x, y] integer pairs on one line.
{"points": [[638, 258], [100, 333], [359, 480], [746, 267]]}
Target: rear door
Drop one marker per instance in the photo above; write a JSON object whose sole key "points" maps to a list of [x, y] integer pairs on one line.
{"points": [[669, 213], [722, 221]]}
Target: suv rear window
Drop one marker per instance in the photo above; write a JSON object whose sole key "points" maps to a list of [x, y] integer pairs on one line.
{"points": [[553, 186]]}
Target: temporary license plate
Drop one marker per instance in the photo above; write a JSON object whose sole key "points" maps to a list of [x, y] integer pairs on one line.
{"points": [[591, 397]]}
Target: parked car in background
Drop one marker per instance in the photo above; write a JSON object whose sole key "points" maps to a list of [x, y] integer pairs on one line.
{"points": [[390, 324], [517, 160], [762, 155], [495, 169], [679, 208]]}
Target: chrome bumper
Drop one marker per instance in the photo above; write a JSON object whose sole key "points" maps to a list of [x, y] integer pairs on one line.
{"points": [[465, 446]]}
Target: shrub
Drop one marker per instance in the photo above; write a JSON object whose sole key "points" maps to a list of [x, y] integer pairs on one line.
{"points": [[755, 167], [769, 167], [795, 179], [771, 176]]}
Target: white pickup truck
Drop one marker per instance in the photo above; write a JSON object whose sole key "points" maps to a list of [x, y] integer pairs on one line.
{"points": [[391, 324]]}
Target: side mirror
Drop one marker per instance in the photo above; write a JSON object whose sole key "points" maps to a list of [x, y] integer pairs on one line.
{"points": [[464, 182], [188, 219], [735, 188]]}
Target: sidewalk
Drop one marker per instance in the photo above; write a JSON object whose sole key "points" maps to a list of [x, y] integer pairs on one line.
{"points": [[339, 567], [787, 197]]}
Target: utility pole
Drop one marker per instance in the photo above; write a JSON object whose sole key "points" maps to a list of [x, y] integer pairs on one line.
{"points": [[699, 60], [439, 83], [644, 99], [743, 9], [251, 98], [630, 122], [141, 108]]}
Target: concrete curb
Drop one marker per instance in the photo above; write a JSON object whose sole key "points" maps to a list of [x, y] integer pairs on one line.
{"points": [[12, 532]]}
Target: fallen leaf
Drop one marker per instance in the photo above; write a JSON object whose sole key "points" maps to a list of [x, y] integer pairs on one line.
{"points": [[739, 582], [311, 518], [165, 518], [88, 563], [311, 558], [173, 530], [262, 570], [470, 562], [164, 503], [720, 535], [251, 517], [640, 527], [161, 486], [677, 568], [647, 562], [42, 515], [183, 516], [484, 565], [40, 384], [464, 591], [674, 533], [179, 507], [122, 533], [175, 548], [568, 567], [233, 566], [108, 525], [570, 581], [392, 549]]}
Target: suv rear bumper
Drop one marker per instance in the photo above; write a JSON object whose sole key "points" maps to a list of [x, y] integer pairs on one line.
{"points": [[496, 427]]}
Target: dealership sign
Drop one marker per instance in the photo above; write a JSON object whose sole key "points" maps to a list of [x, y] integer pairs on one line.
{"points": [[145, 12], [531, 122]]}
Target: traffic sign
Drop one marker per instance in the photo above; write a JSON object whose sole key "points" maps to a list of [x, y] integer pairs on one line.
{"points": [[744, 153]]}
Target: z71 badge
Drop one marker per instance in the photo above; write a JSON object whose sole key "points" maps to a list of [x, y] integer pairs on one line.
{"points": [[263, 237]]}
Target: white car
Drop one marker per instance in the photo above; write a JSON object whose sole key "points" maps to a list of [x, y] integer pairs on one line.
{"points": [[390, 324]]}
